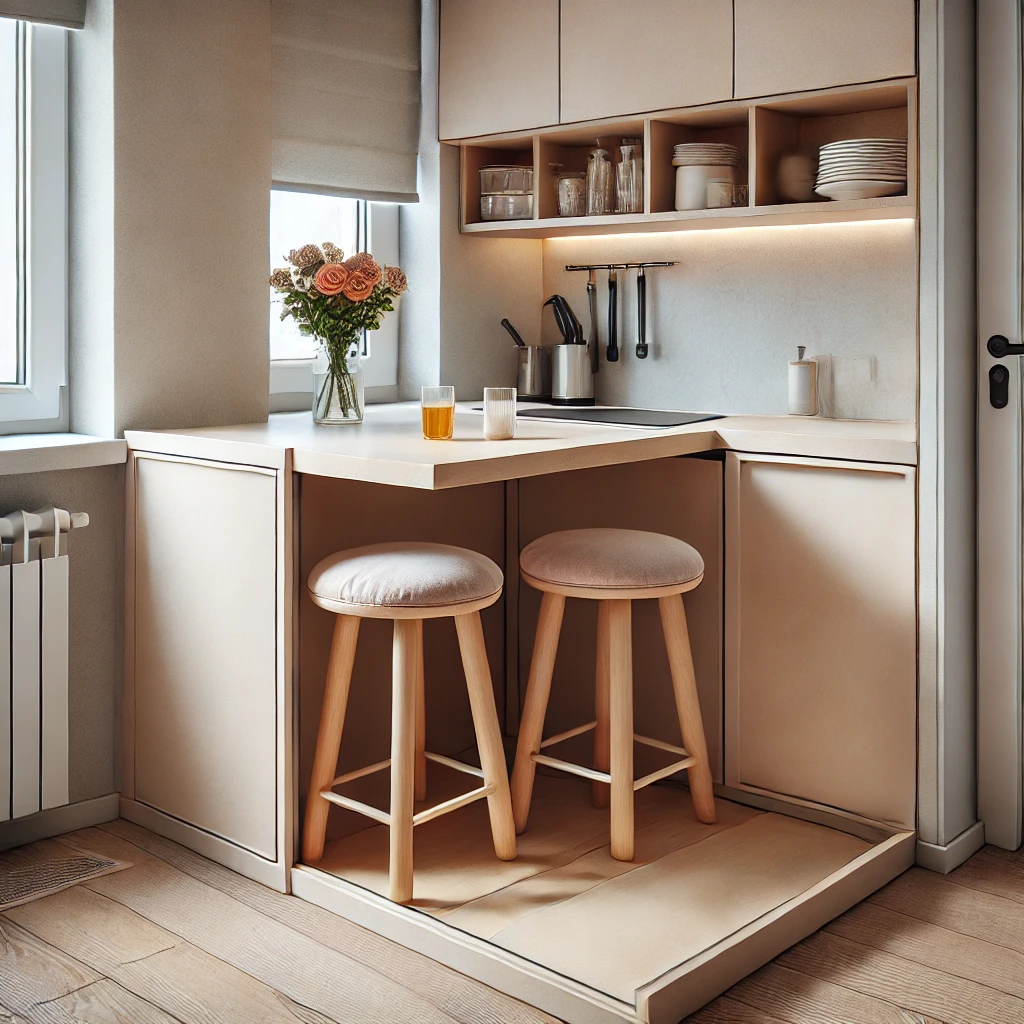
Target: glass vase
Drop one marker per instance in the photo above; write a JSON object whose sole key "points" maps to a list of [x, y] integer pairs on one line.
{"points": [[337, 386]]}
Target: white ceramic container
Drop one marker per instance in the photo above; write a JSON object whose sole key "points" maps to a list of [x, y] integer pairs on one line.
{"points": [[692, 184]]}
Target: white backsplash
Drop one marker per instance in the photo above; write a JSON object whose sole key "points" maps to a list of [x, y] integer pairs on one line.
{"points": [[724, 324]]}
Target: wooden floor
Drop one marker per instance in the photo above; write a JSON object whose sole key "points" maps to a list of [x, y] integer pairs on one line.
{"points": [[175, 938]]}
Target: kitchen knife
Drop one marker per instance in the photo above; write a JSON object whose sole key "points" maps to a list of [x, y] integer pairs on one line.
{"points": [[641, 314], [612, 351]]}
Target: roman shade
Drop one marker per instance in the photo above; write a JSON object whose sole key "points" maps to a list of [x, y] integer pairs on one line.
{"points": [[67, 13], [346, 97]]}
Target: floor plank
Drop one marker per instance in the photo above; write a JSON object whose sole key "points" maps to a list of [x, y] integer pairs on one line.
{"points": [[901, 982], [798, 998], [728, 1010], [153, 966], [33, 972], [106, 1002], [929, 897], [962, 956], [468, 1001], [302, 968], [994, 871]]}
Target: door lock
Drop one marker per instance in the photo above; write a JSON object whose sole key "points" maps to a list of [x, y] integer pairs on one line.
{"points": [[999, 386], [998, 347]]}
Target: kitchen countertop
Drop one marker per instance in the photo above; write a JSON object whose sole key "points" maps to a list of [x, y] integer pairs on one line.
{"points": [[388, 447]]}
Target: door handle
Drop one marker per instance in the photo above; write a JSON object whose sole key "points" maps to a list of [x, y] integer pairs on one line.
{"points": [[998, 347]]}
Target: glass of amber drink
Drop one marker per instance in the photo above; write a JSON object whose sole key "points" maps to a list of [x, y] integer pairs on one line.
{"points": [[438, 407]]}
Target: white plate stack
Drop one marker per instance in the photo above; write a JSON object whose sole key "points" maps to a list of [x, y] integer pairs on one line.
{"points": [[862, 168], [696, 164], [706, 154]]}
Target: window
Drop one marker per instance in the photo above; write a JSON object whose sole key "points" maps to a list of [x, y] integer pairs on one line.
{"points": [[33, 226], [354, 225]]}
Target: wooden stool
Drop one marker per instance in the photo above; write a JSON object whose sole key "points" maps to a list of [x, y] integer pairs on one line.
{"points": [[614, 567], [407, 583]]}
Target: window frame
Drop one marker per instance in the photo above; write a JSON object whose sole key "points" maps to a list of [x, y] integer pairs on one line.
{"points": [[291, 380], [39, 405]]}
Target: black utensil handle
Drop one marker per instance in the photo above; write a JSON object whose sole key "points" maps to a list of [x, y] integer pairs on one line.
{"points": [[559, 317], [595, 352], [507, 324], [612, 352], [641, 315]]}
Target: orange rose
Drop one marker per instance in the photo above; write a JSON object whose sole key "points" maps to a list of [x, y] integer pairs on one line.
{"points": [[357, 287], [330, 278]]}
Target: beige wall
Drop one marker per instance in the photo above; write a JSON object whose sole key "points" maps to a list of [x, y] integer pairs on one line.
{"points": [[170, 187], [96, 552], [725, 322]]}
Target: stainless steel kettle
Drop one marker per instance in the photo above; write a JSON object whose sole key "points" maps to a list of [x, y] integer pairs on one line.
{"points": [[572, 378]]}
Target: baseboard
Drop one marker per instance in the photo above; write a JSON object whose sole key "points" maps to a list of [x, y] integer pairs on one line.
{"points": [[945, 858], [58, 820], [273, 874]]}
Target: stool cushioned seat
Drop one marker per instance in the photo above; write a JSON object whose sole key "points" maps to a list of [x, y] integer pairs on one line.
{"points": [[404, 575], [611, 559]]}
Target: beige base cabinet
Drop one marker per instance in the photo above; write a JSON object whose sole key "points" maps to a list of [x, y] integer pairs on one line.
{"points": [[820, 626], [795, 45], [498, 69], [625, 58], [207, 696]]}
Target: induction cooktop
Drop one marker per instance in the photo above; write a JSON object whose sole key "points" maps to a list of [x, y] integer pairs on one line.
{"points": [[619, 417]]}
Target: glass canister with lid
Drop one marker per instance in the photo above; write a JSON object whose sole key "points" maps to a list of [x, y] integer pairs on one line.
{"points": [[572, 193], [600, 183]]}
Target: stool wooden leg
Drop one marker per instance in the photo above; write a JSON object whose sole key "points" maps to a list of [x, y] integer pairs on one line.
{"points": [[421, 717], [599, 792], [620, 706], [403, 757], [538, 690], [328, 740], [488, 732], [684, 685]]}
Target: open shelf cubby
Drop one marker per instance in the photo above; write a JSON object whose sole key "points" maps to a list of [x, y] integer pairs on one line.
{"points": [[764, 129]]}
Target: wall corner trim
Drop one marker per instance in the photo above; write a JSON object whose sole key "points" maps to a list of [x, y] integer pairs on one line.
{"points": [[945, 858], [58, 820]]}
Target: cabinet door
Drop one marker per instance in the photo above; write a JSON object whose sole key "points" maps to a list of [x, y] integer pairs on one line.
{"points": [[820, 667], [630, 56], [498, 68], [204, 709], [792, 45]]}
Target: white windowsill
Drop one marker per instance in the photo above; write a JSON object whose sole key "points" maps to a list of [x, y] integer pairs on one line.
{"points": [[40, 453]]}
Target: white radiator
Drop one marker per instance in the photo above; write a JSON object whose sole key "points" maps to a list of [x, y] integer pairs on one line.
{"points": [[34, 660]]}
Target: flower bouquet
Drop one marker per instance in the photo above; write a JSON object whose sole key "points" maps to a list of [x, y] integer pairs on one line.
{"points": [[334, 300]]}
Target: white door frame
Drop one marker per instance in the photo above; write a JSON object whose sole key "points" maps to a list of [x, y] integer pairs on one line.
{"points": [[1000, 624]]}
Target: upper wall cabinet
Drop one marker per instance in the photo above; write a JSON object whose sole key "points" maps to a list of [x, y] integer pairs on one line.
{"points": [[498, 67], [628, 56], [794, 45]]}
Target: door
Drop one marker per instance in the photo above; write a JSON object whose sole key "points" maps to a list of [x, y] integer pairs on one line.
{"points": [[498, 69], [821, 633], [626, 58], [999, 423], [794, 45]]}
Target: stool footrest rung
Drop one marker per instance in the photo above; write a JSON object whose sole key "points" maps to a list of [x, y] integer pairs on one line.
{"points": [[568, 734], [660, 745], [450, 762], [598, 776], [452, 805], [664, 773], [574, 769], [360, 772], [357, 805]]}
